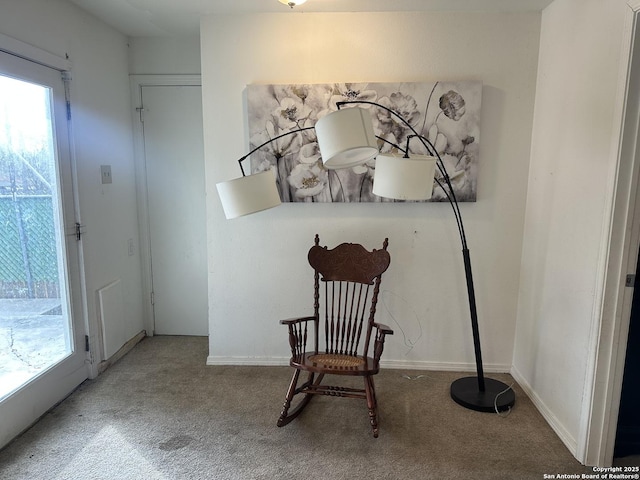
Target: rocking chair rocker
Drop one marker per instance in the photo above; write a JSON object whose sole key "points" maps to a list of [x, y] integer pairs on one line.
{"points": [[344, 319]]}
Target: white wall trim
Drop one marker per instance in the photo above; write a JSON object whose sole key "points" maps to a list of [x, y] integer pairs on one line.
{"points": [[444, 366], [557, 426], [390, 364], [249, 361], [33, 54], [136, 84], [612, 308]]}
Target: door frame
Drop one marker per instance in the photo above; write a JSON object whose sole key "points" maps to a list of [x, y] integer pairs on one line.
{"points": [[136, 84], [78, 295], [619, 253]]}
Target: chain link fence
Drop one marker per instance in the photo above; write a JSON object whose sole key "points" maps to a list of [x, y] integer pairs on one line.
{"points": [[28, 263], [28, 257]]}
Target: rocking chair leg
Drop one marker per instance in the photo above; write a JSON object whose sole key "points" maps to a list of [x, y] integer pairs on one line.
{"points": [[372, 404], [287, 400], [285, 416]]}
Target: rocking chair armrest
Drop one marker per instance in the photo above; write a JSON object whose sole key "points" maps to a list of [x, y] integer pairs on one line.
{"points": [[292, 321], [378, 346], [382, 328], [298, 333]]}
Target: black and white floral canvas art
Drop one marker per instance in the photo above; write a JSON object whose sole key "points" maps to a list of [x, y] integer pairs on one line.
{"points": [[447, 113]]}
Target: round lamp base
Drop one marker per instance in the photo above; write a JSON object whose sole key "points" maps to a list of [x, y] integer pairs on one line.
{"points": [[496, 396]]}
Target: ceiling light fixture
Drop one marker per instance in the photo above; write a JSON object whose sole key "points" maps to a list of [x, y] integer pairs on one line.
{"points": [[292, 3]]}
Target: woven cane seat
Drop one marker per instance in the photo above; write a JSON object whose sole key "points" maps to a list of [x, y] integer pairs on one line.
{"points": [[336, 360]]}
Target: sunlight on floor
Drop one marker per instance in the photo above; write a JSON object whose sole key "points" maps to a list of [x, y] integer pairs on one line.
{"points": [[110, 456]]}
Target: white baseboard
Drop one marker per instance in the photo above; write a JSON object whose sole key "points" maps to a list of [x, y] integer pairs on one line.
{"points": [[249, 361], [391, 364], [126, 348], [557, 426], [443, 366]]}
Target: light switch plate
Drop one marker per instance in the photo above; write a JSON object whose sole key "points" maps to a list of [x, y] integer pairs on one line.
{"points": [[105, 174]]}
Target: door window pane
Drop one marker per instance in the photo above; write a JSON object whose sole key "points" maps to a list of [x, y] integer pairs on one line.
{"points": [[35, 328]]}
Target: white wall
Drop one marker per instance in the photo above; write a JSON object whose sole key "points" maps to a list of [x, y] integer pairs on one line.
{"points": [[103, 135], [164, 55], [257, 264], [568, 209]]}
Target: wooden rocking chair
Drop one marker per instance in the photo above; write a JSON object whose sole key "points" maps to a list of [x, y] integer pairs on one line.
{"points": [[344, 310]]}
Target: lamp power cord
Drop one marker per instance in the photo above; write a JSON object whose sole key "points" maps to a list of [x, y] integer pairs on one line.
{"points": [[495, 402]]}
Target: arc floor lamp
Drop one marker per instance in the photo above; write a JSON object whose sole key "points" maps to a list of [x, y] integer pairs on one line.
{"points": [[345, 139]]}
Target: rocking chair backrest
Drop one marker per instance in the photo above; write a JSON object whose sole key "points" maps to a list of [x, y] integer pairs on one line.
{"points": [[347, 282]]}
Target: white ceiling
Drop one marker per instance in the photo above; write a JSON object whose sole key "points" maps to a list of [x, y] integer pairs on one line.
{"points": [[141, 18]]}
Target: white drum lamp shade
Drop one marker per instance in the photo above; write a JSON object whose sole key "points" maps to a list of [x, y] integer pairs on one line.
{"points": [[250, 194], [404, 178], [346, 138]]}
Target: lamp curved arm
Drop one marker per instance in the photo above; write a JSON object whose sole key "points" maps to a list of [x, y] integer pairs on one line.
{"points": [[450, 194], [271, 140], [382, 139], [449, 191], [467, 262]]}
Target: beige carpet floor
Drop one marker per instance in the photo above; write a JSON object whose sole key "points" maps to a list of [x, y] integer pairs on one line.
{"points": [[161, 413]]}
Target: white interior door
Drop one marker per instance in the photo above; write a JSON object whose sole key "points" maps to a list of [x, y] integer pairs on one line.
{"points": [[42, 354], [174, 164]]}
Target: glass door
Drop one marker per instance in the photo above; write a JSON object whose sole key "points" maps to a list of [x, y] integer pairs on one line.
{"points": [[42, 355]]}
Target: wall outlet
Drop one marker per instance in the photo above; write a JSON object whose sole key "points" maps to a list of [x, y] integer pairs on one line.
{"points": [[130, 247], [105, 174]]}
